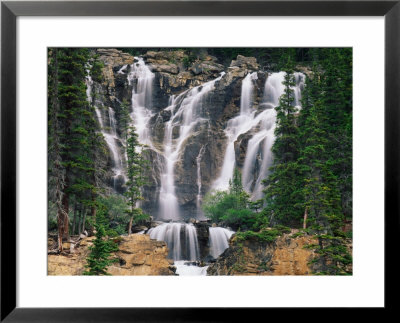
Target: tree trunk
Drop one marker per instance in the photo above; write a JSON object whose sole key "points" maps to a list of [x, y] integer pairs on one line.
{"points": [[80, 220], [83, 222], [130, 225], [74, 220], [65, 207], [305, 218], [59, 174]]}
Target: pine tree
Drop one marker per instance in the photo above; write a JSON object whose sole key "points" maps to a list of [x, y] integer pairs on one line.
{"points": [[337, 101], [321, 188], [283, 188], [124, 119], [136, 165], [237, 190], [56, 170], [73, 140], [99, 257]]}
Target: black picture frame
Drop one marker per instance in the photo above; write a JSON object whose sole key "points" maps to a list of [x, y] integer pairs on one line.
{"points": [[10, 10]]}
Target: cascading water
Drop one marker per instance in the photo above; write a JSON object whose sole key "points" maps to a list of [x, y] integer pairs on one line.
{"points": [[186, 115], [181, 239], [182, 242], [235, 127], [141, 79], [258, 155], [186, 118], [261, 126], [110, 134], [219, 240]]}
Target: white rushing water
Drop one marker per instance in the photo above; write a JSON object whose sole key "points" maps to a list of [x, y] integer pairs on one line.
{"points": [[172, 233], [141, 79], [219, 240], [185, 112], [261, 128], [235, 127], [185, 268]]}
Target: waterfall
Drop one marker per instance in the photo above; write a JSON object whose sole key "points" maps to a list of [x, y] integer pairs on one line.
{"points": [[186, 115], [181, 239], [235, 127], [111, 117], [141, 76], [110, 135], [259, 157], [260, 127], [219, 240]]}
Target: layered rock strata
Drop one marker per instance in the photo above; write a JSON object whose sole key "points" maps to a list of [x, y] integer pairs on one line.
{"points": [[137, 255]]}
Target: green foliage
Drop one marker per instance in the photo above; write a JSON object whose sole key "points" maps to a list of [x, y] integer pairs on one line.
{"points": [[312, 170], [189, 58], [124, 119], [284, 187], [115, 212], [96, 70], [136, 177], [73, 140], [100, 252], [264, 235], [232, 207]]}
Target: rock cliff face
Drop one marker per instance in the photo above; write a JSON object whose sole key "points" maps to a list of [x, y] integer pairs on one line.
{"points": [[196, 93], [285, 256], [137, 255]]}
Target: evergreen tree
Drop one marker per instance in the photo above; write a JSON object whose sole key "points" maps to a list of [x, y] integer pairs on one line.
{"points": [[136, 165], [100, 252], [321, 186], [73, 140], [232, 207], [124, 119], [337, 101], [56, 169], [283, 187]]}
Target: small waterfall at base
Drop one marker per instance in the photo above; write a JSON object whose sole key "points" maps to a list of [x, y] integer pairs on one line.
{"points": [[219, 240], [183, 245], [181, 239]]}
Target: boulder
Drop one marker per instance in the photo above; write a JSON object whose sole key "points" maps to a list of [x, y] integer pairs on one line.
{"points": [[245, 62]]}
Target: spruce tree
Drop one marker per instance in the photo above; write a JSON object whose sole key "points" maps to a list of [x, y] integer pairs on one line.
{"points": [[321, 187], [124, 119], [99, 257], [73, 137], [283, 188], [136, 166]]}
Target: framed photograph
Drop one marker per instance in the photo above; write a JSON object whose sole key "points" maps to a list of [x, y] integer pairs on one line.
{"points": [[250, 146]]}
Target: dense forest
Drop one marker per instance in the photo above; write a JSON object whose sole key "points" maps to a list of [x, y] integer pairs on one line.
{"points": [[107, 179]]}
